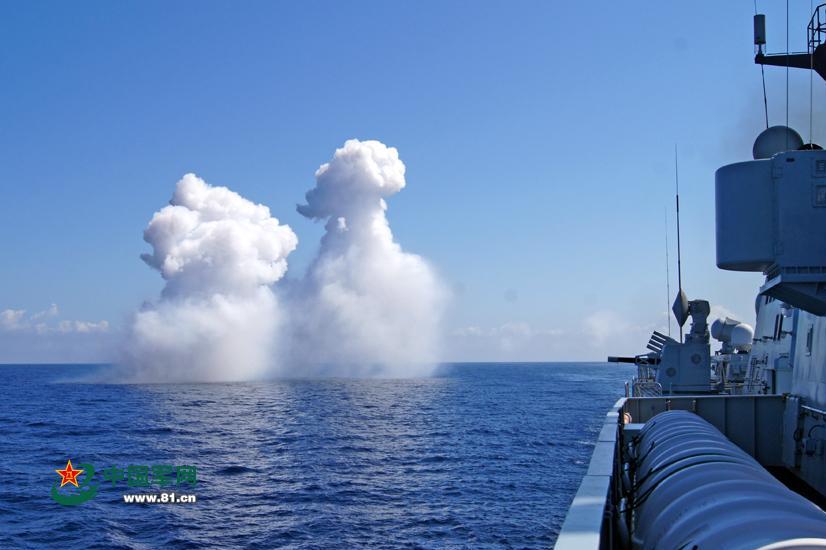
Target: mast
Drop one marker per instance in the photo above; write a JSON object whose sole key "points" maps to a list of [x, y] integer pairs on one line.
{"points": [[679, 253], [667, 275]]}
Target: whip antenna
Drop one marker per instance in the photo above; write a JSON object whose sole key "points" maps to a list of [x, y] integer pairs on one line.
{"points": [[680, 307], [667, 274]]}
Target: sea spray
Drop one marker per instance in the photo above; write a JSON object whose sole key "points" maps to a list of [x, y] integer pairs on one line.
{"points": [[365, 306], [217, 318]]}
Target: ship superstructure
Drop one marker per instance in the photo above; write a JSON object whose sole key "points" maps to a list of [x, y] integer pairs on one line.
{"points": [[727, 449]]}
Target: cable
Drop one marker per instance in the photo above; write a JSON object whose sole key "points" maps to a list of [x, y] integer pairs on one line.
{"points": [[765, 101], [813, 429]]}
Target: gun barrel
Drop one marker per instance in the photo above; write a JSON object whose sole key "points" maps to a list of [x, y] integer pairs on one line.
{"points": [[612, 359]]}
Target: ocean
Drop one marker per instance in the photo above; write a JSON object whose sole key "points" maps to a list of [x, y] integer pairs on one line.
{"points": [[479, 456]]}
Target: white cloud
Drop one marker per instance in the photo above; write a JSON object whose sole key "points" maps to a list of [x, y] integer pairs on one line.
{"points": [[606, 325], [12, 319], [83, 327], [42, 337], [52, 311], [510, 341], [16, 320], [721, 312], [592, 338]]}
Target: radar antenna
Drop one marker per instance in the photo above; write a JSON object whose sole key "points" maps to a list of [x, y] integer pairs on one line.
{"points": [[814, 59]]}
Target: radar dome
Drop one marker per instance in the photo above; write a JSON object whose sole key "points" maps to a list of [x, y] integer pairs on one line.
{"points": [[776, 139], [742, 336], [733, 332]]}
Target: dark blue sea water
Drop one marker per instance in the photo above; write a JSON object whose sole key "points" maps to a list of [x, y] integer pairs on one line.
{"points": [[480, 456]]}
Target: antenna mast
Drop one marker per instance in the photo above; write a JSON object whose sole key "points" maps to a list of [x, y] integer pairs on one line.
{"points": [[667, 275], [679, 254]]}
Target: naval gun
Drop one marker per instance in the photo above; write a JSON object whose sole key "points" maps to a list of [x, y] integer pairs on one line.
{"points": [[672, 366], [684, 366]]}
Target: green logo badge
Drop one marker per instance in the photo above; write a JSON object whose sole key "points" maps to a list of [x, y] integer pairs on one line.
{"points": [[162, 475], [85, 490]]}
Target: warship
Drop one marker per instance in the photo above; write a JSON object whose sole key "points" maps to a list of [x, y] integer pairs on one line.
{"points": [[727, 449]]}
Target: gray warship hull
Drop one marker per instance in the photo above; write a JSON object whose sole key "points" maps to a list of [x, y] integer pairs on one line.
{"points": [[727, 449]]}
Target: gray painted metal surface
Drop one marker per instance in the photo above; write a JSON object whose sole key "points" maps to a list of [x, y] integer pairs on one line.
{"points": [[694, 488], [752, 422], [584, 526], [771, 218], [704, 481]]}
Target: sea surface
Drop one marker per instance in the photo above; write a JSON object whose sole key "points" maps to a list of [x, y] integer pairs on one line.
{"points": [[479, 456]]}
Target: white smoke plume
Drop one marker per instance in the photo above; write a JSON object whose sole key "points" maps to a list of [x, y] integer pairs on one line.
{"points": [[365, 307], [217, 317]]}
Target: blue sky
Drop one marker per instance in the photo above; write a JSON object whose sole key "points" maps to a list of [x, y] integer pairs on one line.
{"points": [[538, 139]]}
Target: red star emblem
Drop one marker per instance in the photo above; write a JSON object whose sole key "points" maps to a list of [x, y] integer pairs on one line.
{"points": [[69, 475]]}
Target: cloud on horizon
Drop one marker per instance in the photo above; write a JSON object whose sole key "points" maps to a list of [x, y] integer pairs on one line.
{"points": [[46, 322], [43, 337], [594, 337]]}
